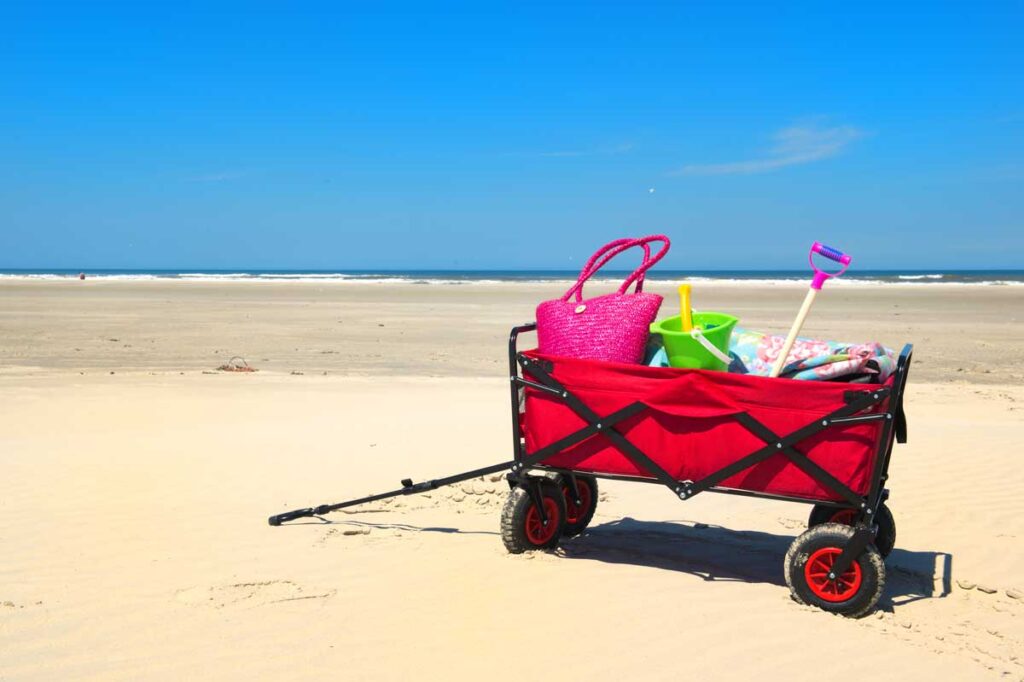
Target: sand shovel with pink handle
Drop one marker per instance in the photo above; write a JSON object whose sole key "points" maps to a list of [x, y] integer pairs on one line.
{"points": [[820, 277]]}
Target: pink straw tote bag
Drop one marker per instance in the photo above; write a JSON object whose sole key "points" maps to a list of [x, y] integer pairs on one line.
{"points": [[612, 327]]}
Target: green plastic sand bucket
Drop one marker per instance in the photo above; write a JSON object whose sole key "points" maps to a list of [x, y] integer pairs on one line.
{"points": [[684, 349]]}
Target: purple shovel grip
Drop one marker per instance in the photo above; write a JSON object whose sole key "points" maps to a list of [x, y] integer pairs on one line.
{"points": [[820, 276], [830, 253]]}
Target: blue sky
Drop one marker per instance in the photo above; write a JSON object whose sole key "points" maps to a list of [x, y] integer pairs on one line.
{"points": [[424, 135]]}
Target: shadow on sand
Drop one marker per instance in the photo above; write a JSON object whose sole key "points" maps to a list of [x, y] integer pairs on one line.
{"points": [[407, 527], [713, 553]]}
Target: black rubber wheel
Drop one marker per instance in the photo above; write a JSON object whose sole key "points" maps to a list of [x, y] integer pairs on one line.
{"points": [[578, 516], [854, 593], [521, 527], [885, 540]]}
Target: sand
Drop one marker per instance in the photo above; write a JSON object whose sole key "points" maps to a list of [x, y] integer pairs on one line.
{"points": [[971, 333], [136, 489]]}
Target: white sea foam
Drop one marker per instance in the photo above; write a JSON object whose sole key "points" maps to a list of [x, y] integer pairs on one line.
{"points": [[842, 282], [59, 276], [16, 276], [930, 280]]}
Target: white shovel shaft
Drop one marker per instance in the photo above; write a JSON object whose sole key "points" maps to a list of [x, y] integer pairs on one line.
{"points": [[780, 361]]}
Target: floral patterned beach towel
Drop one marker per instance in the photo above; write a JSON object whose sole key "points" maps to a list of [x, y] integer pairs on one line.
{"points": [[755, 353]]}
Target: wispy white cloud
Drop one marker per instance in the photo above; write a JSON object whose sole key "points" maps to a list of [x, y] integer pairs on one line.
{"points": [[793, 146]]}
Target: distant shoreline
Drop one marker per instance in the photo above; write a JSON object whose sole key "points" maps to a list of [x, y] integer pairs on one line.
{"points": [[470, 277]]}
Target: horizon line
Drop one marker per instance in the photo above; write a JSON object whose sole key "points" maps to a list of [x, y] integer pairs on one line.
{"points": [[342, 271]]}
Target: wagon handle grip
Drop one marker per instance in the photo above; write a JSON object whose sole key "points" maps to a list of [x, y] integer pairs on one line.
{"points": [[284, 517]]}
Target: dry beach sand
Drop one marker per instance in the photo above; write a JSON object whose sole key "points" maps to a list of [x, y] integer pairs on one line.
{"points": [[137, 481]]}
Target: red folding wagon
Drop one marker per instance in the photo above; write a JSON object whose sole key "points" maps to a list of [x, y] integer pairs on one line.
{"points": [[692, 431]]}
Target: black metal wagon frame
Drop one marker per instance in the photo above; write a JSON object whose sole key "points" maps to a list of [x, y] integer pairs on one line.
{"points": [[864, 510]]}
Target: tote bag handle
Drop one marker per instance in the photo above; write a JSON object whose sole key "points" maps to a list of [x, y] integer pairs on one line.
{"points": [[606, 253], [598, 261], [612, 249]]}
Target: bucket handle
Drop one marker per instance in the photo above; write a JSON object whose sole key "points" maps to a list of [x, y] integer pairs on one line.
{"points": [[698, 335]]}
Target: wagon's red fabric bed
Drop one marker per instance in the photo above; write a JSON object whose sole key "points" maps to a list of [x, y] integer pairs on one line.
{"points": [[690, 428]]}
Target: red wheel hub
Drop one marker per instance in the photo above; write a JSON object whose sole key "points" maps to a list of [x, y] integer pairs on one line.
{"points": [[537, 532], [847, 517], [816, 572], [574, 512]]}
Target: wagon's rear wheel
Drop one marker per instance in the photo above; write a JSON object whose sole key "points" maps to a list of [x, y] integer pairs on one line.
{"points": [[808, 565], [522, 526], [884, 541], [578, 516]]}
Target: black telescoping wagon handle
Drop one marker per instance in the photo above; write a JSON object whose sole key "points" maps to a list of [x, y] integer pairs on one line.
{"points": [[408, 488]]}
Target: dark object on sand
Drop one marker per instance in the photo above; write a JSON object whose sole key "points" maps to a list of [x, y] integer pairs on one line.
{"points": [[692, 431], [236, 364]]}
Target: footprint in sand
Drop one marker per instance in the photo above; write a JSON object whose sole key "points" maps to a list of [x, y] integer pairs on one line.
{"points": [[792, 524], [348, 532], [248, 595]]}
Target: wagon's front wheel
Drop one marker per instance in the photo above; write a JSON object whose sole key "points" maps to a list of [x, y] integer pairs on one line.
{"points": [[885, 540], [808, 566], [523, 528]]}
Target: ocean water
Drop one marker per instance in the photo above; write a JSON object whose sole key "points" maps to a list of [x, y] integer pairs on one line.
{"points": [[916, 277]]}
